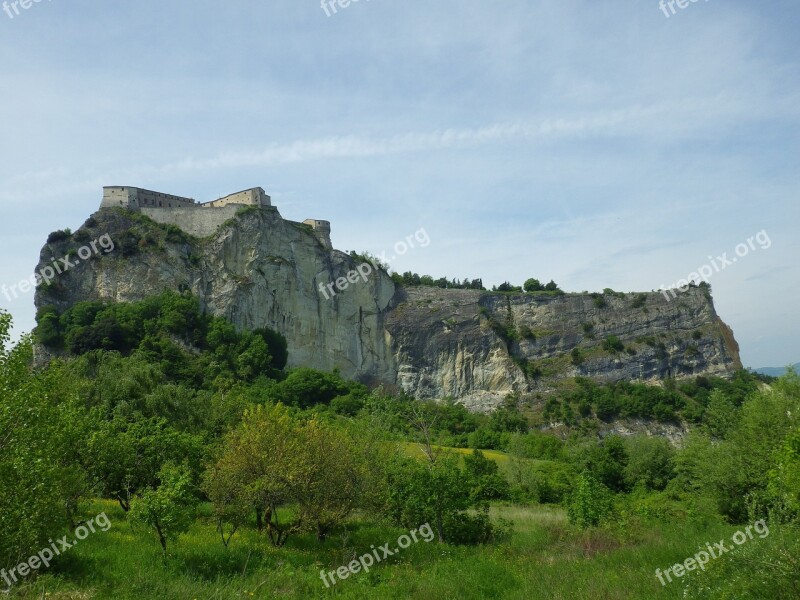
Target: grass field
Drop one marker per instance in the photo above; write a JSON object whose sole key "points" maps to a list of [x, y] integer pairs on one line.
{"points": [[415, 450], [543, 558]]}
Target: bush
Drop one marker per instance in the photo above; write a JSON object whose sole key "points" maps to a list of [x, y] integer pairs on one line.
{"points": [[437, 493], [541, 481], [613, 344], [532, 285], [577, 357], [759, 568], [469, 528], [536, 445], [599, 301], [591, 503], [59, 236], [486, 439], [649, 462], [486, 481]]}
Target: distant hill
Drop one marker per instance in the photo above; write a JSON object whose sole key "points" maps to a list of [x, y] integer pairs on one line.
{"points": [[775, 371]]}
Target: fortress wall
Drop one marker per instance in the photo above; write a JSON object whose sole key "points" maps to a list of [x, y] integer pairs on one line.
{"points": [[252, 197], [114, 196], [195, 221], [131, 197], [158, 200]]}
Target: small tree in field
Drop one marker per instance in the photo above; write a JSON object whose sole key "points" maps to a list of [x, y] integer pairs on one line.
{"points": [[168, 509], [591, 502]]}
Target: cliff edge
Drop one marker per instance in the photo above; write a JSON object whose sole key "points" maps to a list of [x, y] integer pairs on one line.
{"points": [[260, 270]]}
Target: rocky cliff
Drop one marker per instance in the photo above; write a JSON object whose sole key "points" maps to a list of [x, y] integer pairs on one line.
{"points": [[261, 270]]}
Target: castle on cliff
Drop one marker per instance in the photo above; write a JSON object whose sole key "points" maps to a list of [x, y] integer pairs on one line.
{"points": [[200, 219]]}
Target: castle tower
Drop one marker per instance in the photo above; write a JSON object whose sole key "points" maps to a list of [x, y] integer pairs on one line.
{"points": [[322, 229]]}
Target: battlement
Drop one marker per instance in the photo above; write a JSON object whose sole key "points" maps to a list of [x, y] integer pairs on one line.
{"points": [[197, 218], [135, 198], [252, 197]]}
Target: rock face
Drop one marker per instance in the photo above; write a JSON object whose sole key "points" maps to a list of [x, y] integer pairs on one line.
{"points": [[478, 346], [260, 270]]}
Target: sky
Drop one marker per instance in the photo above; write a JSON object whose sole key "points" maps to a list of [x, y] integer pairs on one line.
{"points": [[598, 144]]}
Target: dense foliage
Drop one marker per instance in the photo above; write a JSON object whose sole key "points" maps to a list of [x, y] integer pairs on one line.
{"points": [[181, 420], [409, 279], [165, 329]]}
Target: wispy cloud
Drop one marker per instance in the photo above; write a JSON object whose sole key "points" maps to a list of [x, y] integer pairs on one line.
{"points": [[630, 121]]}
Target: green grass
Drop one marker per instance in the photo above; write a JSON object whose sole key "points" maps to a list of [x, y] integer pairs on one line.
{"points": [[415, 450], [543, 558]]}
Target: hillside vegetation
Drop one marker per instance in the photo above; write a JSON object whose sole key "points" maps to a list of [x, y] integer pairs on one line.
{"points": [[223, 475]]}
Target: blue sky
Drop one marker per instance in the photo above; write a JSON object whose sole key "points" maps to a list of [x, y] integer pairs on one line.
{"points": [[599, 144]]}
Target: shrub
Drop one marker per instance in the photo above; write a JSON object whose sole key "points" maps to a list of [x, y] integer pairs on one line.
{"points": [[613, 344], [542, 481], [537, 445], [486, 481], [599, 301], [486, 439], [59, 236], [577, 357], [591, 503], [532, 285], [169, 509], [650, 462]]}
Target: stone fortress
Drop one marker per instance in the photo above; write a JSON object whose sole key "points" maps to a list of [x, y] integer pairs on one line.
{"points": [[200, 219]]}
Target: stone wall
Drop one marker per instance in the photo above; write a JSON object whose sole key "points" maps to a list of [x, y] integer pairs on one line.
{"points": [[322, 230], [194, 221], [131, 197], [252, 197]]}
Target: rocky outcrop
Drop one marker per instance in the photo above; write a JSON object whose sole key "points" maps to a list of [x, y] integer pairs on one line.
{"points": [[478, 347], [260, 270]]}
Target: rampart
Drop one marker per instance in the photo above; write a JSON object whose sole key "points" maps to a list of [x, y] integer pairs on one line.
{"points": [[195, 218], [133, 198], [197, 222]]}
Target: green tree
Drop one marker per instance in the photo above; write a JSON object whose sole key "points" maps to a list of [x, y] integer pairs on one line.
{"points": [[650, 462], [607, 462], [35, 481], [591, 502], [532, 285], [329, 485], [169, 508], [257, 463], [124, 456], [784, 477], [486, 481], [721, 415]]}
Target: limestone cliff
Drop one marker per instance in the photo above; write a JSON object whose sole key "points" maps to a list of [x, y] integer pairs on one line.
{"points": [[260, 270]]}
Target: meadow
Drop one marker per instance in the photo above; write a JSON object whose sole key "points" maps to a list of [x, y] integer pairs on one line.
{"points": [[544, 557]]}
